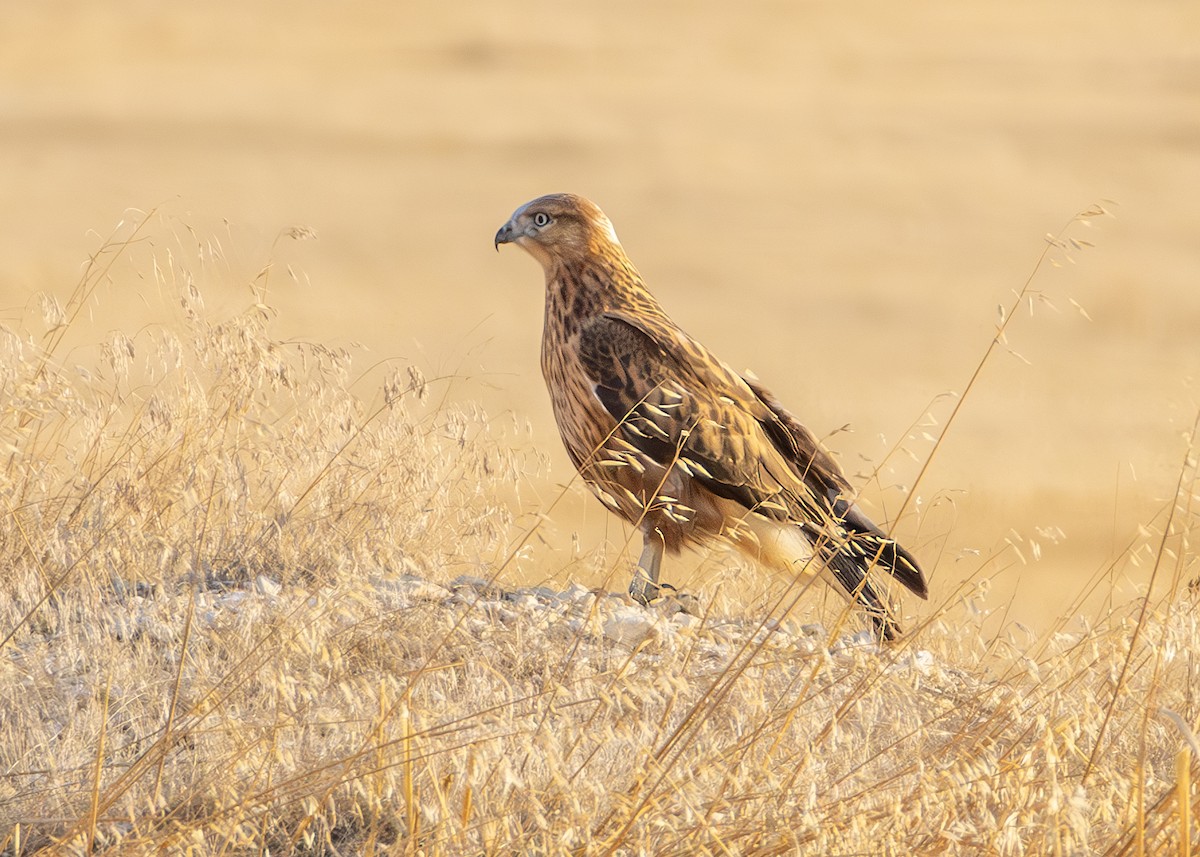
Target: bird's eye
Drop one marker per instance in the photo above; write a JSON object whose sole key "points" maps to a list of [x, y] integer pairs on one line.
{"points": [[541, 219]]}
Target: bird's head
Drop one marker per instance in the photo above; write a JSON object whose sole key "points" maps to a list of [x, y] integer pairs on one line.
{"points": [[558, 228]]}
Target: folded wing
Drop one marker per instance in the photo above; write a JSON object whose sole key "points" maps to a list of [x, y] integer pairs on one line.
{"points": [[680, 406]]}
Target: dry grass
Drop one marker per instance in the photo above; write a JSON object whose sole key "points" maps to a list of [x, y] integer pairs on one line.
{"points": [[230, 625]]}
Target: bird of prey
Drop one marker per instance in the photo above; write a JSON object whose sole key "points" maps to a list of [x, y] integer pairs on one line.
{"points": [[671, 439]]}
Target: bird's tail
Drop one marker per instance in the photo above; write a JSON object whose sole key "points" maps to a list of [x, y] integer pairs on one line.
{"points": [[850, 571], [865, 541], [847, 551], [860, 549]]}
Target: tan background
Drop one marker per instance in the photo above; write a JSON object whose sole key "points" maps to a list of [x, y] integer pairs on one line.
{"points": [[836, 195]]}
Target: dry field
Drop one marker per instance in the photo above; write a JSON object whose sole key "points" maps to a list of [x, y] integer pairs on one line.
{"points": [[293, 396], [254, 604]]}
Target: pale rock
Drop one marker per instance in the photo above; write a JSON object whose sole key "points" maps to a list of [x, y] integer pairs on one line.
{"points": [[629, 625], [264, 585]]}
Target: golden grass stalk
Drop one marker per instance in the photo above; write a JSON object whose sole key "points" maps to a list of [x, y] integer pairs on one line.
{"points": [[411, 809], [1183, 796], [98, 771]]}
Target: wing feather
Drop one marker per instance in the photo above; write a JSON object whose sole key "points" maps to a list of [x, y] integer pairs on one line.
{"points": [[816, 466], [680, 406]]}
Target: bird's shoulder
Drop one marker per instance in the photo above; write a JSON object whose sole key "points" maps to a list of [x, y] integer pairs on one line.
{"points": [[653, 347]]}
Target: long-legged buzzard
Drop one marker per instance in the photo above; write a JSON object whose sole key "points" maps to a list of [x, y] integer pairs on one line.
{"points": [[673, 440]]}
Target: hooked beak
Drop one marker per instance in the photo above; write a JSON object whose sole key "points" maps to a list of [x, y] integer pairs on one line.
{"points": [[505, 235]]}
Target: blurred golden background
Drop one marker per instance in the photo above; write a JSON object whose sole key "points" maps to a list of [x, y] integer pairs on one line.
{"points": [[835, 195]]}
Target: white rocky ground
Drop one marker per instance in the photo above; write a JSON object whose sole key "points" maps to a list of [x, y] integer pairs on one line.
{"points": [[594, 617], [533, 719]]}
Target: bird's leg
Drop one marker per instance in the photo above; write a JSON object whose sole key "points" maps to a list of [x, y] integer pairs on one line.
{"points": [[644, 587]]}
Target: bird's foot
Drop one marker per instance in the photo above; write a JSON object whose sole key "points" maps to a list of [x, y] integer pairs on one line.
{"points": [[664, 597], [643, 590]]}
